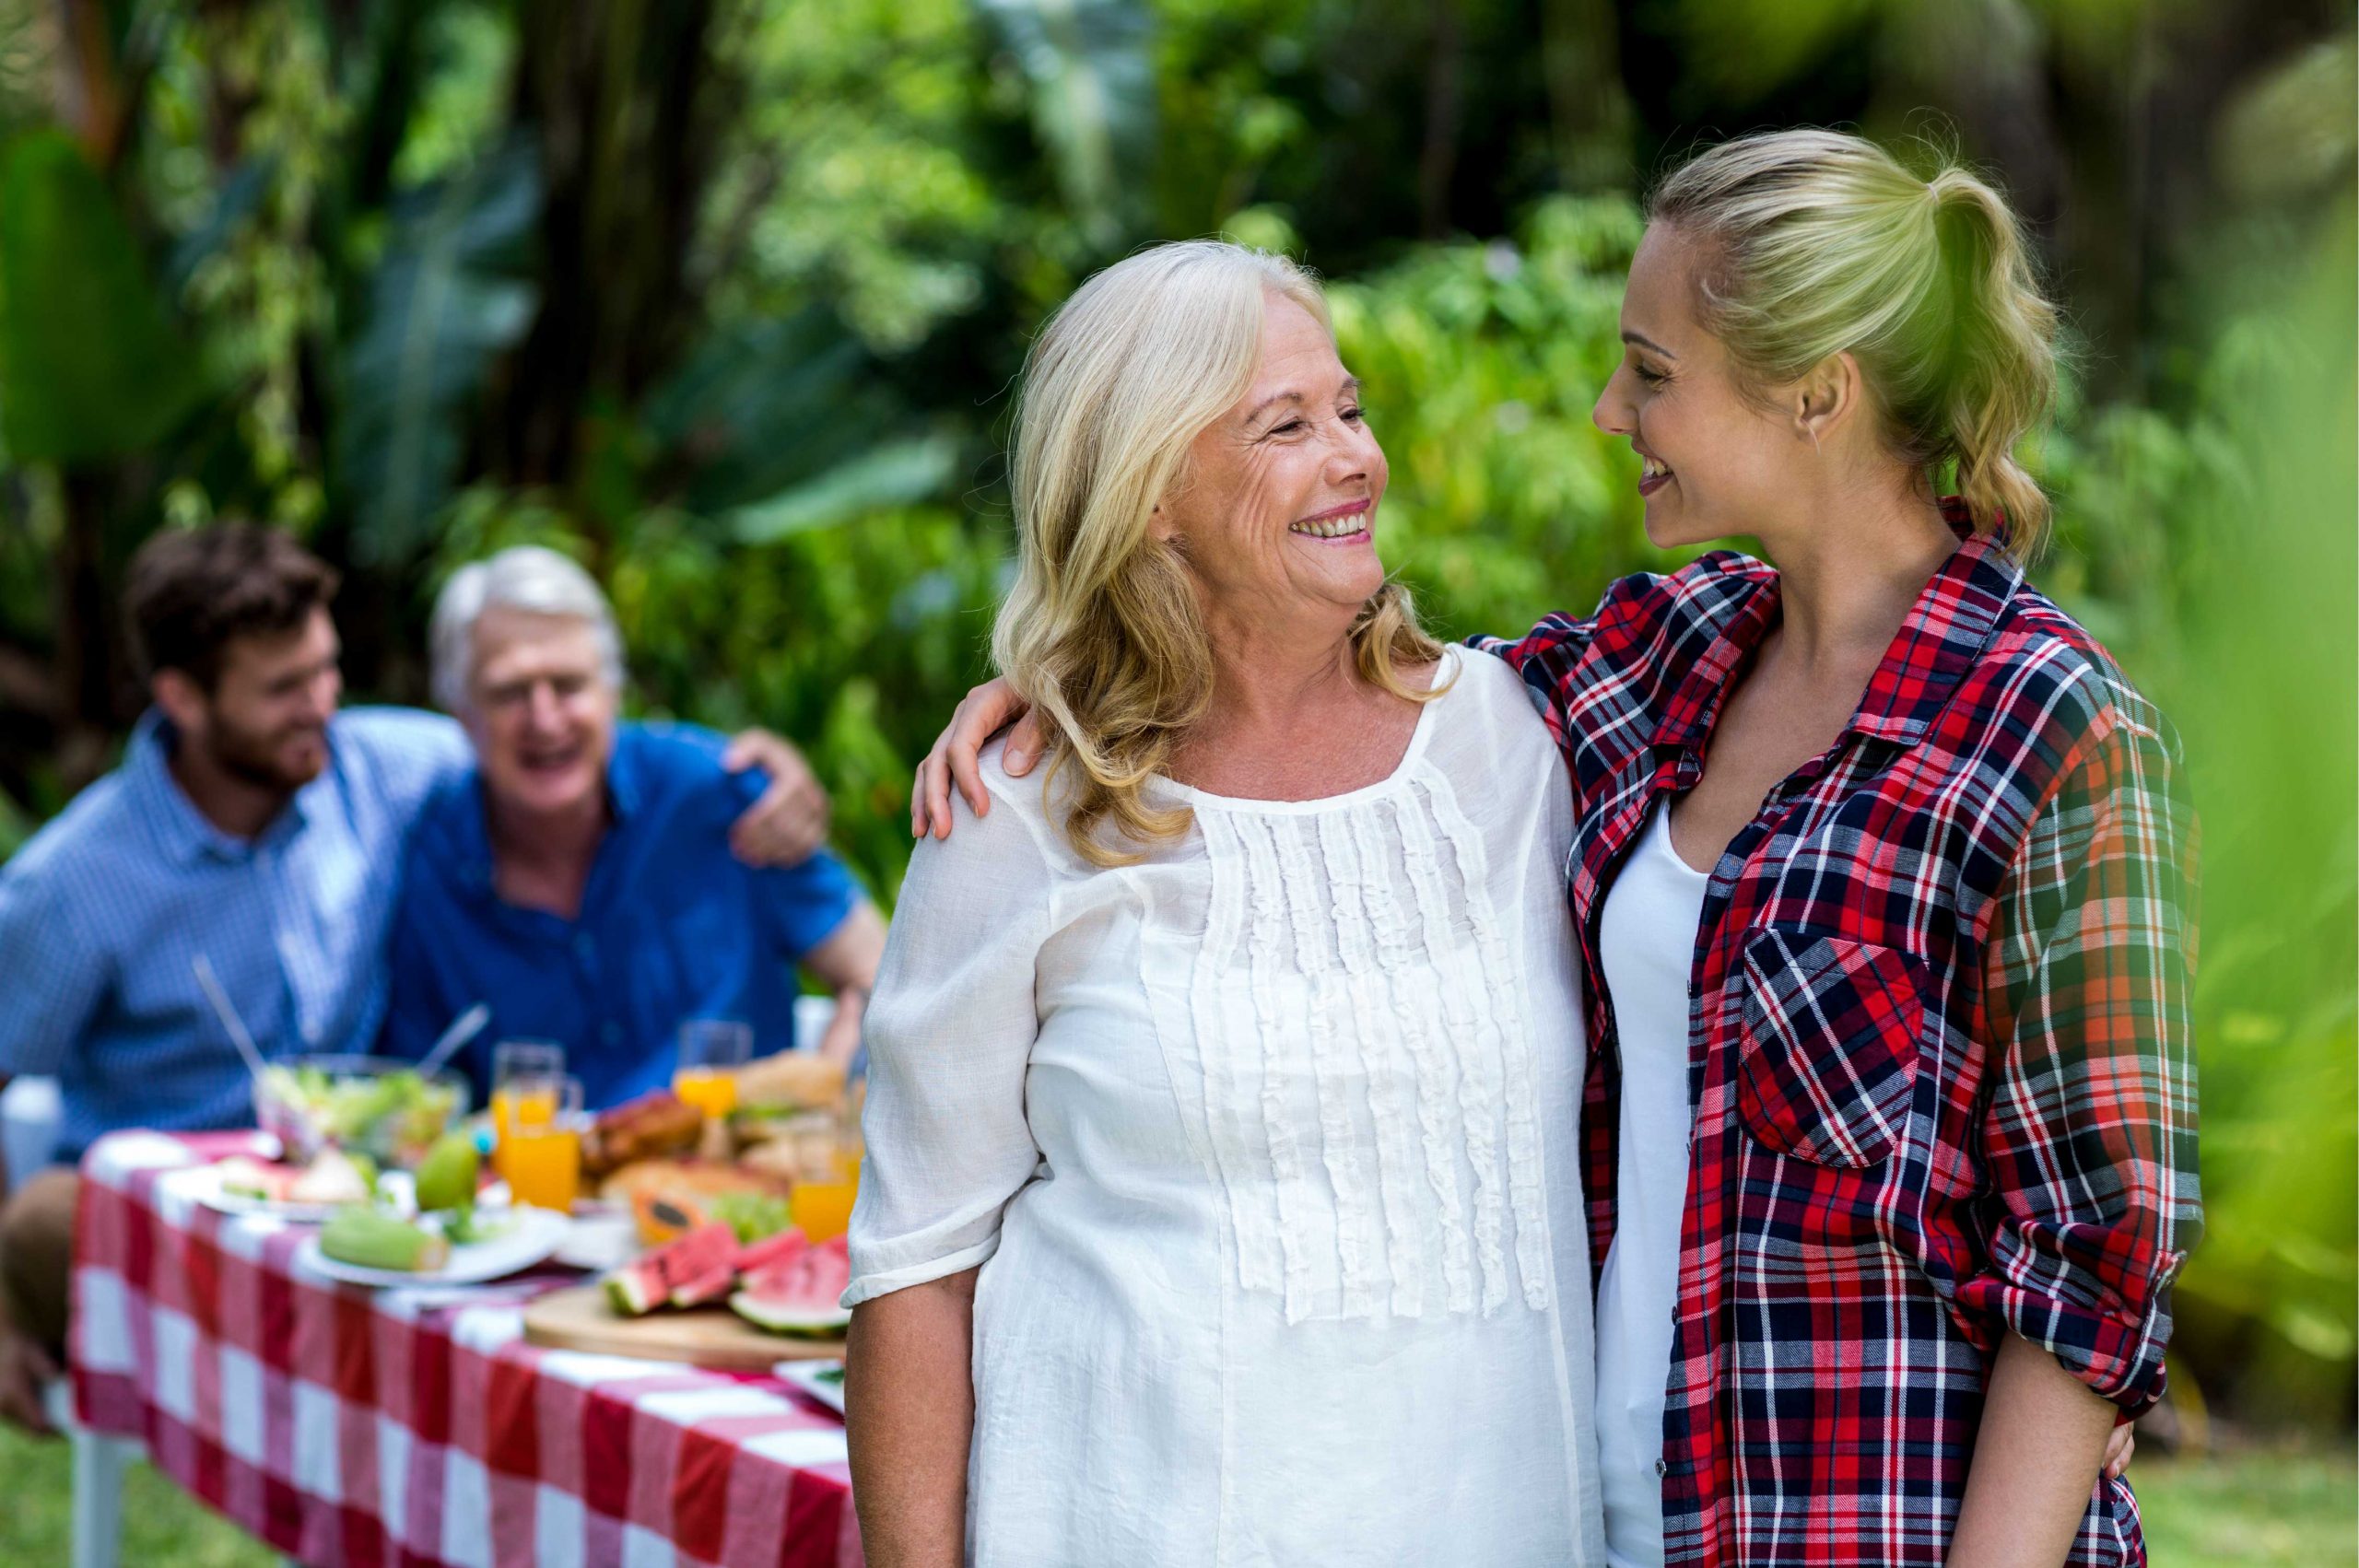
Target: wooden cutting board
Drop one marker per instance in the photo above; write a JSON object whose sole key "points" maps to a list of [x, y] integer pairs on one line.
{"points": [[578, 1319]]}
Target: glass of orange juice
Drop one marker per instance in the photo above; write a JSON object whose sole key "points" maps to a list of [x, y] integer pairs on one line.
{"points": [[543, 1144], [522, 1070], [826, 1178], [711, 1050]]}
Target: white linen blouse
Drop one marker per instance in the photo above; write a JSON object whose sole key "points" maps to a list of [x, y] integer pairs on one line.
{"points": [[1267, 1149]]}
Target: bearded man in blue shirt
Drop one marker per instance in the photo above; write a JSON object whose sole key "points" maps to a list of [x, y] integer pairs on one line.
{"points": [[250, 824], [576, 878]]}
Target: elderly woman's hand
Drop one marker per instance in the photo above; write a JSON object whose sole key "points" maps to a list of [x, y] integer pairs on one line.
{"points": [[956, 757], [790, 822]]}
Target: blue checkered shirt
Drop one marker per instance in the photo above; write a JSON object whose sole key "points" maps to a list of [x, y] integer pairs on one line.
{"points": [[104, 911]]}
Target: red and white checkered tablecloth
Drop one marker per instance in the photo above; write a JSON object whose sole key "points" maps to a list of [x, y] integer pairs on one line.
{"points": [[392, 1430]]}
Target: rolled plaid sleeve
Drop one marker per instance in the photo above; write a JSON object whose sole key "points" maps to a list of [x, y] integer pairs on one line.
{"points": [[1548, 656], [2089, 1144], [1544, 656]]}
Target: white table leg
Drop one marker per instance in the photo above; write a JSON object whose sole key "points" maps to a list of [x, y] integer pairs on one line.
{"points": [[99, 1466]]}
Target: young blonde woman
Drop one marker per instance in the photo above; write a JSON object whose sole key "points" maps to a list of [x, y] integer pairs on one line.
{"points": [[1880, 874], [1209, 1214]]}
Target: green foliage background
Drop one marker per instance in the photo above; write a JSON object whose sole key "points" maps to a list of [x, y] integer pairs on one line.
{"points": [[725, 298]]}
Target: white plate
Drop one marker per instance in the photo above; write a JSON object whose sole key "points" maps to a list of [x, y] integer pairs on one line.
{"points": [[204, 1183], [601, 1239], [527, 1236], [394, 1189], [822, 1380]]}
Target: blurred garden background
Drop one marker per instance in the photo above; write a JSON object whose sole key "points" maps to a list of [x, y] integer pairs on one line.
{"points": [[725, 298]]}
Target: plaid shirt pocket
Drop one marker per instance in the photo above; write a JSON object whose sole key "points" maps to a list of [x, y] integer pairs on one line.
{"points": [[1829, 1045]]}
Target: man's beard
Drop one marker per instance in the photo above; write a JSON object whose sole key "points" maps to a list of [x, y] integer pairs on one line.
{"points": [[252, 758]]}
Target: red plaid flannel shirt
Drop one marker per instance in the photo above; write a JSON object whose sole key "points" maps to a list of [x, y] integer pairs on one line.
{"points": [[1940, 1059]]}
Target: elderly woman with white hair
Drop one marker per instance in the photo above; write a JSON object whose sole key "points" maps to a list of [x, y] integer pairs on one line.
{"points": [[1213, 1213], [578, 879]]}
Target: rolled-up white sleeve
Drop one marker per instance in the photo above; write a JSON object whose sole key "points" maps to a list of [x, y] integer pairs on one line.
{"points": [[949, 1035]]}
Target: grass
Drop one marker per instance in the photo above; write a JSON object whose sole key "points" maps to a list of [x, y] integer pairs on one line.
{"points": [[2250, 1507], [162, 1526], [2255, 1504]]}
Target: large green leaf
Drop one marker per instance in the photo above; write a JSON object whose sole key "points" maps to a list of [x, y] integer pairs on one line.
{"points": [[1091, 67], [894, 474], [89, 366], [453, 291], [240, 197], [763, 406]]}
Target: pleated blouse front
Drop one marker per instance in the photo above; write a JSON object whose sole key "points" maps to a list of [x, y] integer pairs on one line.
{"points": [[1266, 1149]]}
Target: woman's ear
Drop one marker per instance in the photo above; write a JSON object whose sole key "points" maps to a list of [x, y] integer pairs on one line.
{"points": [[1826, 395]]}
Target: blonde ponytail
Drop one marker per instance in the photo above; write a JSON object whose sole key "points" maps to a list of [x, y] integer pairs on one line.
{"points": [[1819, 244], [2002, 381]]}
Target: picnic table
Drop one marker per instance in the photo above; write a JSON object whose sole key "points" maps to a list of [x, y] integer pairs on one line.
{"points": [[415, 1429]]}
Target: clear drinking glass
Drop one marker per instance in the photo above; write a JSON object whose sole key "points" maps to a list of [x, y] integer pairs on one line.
{"points": [[542, 1147], [519, 1069], [711, 1050], [827, 1154]]}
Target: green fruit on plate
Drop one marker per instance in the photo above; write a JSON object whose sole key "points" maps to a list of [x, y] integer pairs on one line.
{"points": [[446, 1177], [370, 1238]]}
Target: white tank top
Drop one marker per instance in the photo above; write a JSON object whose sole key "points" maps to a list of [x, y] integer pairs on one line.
{"points": [[1647, 941]]}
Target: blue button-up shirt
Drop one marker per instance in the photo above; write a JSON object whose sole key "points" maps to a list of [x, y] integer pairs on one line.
{"points": [[672, 927], [104, 911]]}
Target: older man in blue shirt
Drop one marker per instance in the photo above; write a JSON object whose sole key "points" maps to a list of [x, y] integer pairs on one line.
{"points": [[251, 823], [578, 879]]}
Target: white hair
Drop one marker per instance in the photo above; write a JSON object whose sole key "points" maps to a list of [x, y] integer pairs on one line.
{"points": [[526, 576]]}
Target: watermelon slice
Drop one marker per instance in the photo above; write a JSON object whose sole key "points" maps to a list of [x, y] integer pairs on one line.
{"points": [[687, 1265], [705, 1288], [795, 1293], [761, 1255]]}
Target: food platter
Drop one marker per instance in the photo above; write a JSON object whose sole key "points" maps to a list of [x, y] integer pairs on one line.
{"points": [[578, 1319], [521, 1238], [214, 1187]]}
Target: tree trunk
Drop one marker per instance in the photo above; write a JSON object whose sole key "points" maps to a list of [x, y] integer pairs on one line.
{"points": [[1437, 161], [613, 91], [88, 673], [90, 100], [1581, 52]]}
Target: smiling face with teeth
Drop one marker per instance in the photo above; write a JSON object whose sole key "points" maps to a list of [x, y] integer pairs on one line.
{"points": [[1713, 463], [541, 712], [1276, 517]]}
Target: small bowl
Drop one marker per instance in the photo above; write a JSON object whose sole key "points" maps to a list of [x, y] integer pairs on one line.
{"points": [[375, 1107]]}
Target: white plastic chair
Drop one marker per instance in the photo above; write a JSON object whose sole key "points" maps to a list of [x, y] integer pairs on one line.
{"points": [[812, 1016], [30, 1111]]}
